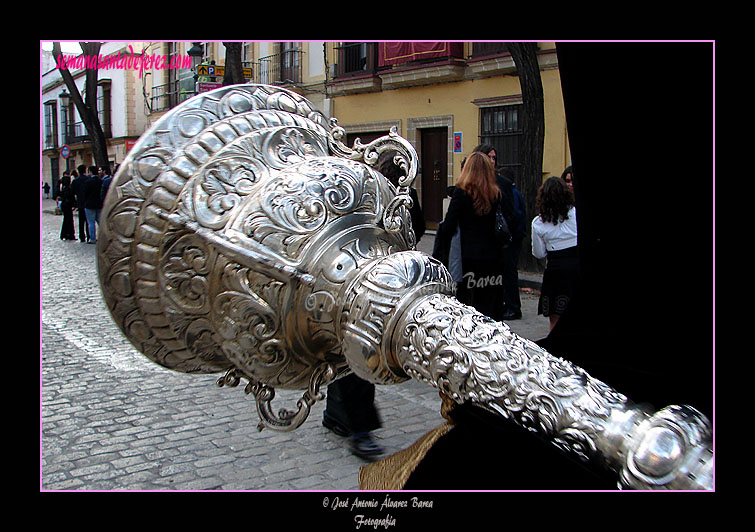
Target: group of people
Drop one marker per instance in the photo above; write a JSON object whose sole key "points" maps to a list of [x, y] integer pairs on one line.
{"points": [[83, 189], [487, 271]]}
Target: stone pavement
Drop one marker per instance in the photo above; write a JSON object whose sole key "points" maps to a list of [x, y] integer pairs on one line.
{"points": [[113, 420]]}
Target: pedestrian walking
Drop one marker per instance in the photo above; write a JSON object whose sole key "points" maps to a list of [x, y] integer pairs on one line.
{"points": [[78, 184], [350, 412]]}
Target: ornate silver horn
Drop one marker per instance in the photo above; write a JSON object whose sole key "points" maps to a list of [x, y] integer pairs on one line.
{"points": [[233, 241]]}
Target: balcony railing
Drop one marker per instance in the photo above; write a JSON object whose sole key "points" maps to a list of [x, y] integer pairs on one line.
{"points": [[169, 95], [77, 132], [356, 58], [284, 67], [489, 48]]}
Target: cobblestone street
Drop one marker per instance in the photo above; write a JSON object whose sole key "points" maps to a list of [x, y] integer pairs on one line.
{"points": [[113, 420]]}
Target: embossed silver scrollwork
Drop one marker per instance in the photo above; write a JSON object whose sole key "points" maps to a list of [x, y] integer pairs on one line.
{"points": [[671, 449], [475, 359], [305, 197], [301, 200], [406, 159], [370, 153]]}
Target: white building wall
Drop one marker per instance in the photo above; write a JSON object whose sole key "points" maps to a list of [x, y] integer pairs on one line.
{"points": [[315, 57], [127, 110]]}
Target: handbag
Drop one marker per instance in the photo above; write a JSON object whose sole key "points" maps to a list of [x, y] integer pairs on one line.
{"points": [[502, 232]]}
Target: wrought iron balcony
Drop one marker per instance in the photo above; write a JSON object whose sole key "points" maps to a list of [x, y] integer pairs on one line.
{"points": [[488, 48], [281, 68], [169, 95], [356, 58], [77, 132]]}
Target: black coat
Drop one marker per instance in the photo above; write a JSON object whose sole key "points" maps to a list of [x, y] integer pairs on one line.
{"points": [[507, 201], [418, 219], [478, 240], [92, 193], [67, 199], [78, 186], [514, 209]]}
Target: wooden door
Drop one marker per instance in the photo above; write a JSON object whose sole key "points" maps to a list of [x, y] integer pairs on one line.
{"points": [[434, 173]]}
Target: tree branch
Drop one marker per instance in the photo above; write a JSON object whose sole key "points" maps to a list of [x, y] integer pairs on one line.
{"points": [[87, 110]]}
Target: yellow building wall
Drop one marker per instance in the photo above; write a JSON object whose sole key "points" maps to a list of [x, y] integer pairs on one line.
{"points": [[456, 99], [556, 154]]}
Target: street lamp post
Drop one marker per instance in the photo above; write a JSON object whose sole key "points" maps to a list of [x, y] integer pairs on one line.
{"points": [[196, 53], [65, 101]]}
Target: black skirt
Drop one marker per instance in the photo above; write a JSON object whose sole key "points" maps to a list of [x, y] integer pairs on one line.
{"points": [[66, 229], [559, 281]]}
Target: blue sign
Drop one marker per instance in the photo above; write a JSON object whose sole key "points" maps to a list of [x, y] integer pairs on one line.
{"points": [[65, 151], [457, 142]]}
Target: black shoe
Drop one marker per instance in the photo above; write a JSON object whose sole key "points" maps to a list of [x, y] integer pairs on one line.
{"points": [[334, 426], [510, 315], [363, 446]]}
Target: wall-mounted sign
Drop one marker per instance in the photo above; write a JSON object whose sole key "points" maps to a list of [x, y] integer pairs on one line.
{"points": [[457, 142], [204, 86], [219, 70]]}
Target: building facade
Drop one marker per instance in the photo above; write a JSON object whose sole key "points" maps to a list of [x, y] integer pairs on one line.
{"points": [[65, 143], [444, 97]]}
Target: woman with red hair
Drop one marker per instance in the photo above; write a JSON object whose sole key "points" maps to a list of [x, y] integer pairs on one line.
{"points": [[472, 210]]}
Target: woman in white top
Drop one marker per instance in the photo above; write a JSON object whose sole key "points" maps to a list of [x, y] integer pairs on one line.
{"points": [[554, 235]]}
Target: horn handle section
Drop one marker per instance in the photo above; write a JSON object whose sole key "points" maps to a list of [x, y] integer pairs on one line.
{"points": [[472, 358], [401, 321]]}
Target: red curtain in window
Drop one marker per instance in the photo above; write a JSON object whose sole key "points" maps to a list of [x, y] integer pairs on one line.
{"points": [[392, 53]]}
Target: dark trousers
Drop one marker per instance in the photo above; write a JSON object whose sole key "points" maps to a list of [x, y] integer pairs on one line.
{"points": [[83, 227], [511, 300], [351, 403]]}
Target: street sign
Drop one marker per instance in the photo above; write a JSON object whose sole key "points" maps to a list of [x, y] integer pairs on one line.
{"points": [[219, 70], [210, 70], [65, 151], [457, 141], [204, 86]]}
